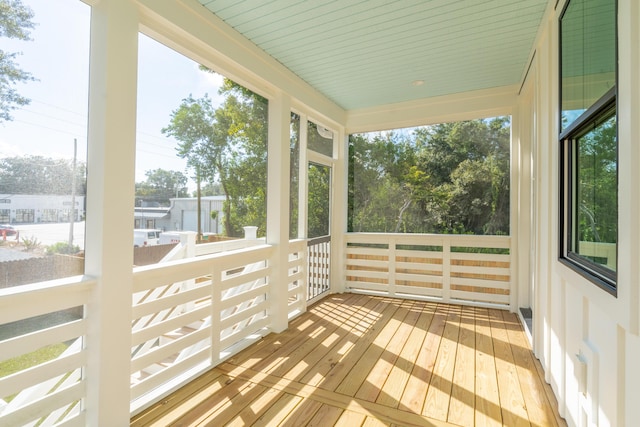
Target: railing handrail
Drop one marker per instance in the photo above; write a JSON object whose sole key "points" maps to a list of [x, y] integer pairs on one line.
{"points": [[318, 240]]}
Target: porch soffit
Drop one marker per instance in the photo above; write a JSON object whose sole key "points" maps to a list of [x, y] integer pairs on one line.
{"points": [[367, 53]]}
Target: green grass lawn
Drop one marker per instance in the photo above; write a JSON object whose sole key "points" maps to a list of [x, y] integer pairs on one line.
{"points": [[28, 360]]}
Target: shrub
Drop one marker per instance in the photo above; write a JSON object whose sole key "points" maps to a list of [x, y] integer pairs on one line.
{"points": [[30, 243], [62, 248]]}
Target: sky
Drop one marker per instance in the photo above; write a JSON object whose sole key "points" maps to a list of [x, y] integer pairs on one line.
{"points": [[57, 56]]}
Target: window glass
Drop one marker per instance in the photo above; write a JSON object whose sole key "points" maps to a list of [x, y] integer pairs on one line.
{"points": [[294, 175], [319, 139], [595, 215], [588, 56], [447, 178], [589, 140], [201, 153]]}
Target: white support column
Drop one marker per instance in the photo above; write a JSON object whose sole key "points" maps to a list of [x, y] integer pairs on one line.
{"points": [[518, 220], [110, 199], [278, 207], [340, 187]]}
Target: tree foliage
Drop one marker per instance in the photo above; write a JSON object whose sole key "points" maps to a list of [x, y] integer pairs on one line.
{"points": [[40, 175], [227, 145], [597, 186], [446, 178], [160, 186], [15, 23]]}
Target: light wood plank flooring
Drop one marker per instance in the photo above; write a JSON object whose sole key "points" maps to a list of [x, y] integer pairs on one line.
{"points": [[355, 360]]}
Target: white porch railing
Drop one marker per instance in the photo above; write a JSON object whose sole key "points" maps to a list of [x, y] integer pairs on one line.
{"points": [[195, 313], [449, 268], [190, 314], [296, 273], [319, 267], [51, 391]]}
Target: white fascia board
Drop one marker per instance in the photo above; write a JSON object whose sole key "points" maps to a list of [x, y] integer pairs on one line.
{"points": [[427, 111]]}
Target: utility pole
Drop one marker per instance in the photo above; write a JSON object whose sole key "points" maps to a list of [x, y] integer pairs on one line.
{"points": [[73, 193]]}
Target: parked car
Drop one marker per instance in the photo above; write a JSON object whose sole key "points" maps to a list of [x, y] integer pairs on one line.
{"points": [[145, 237], [7, 230]]}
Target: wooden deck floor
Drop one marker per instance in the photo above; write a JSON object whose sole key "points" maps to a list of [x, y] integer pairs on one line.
{"points": [[355, 360]]}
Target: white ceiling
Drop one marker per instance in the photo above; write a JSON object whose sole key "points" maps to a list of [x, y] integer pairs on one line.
{"points": [[366, 53]]}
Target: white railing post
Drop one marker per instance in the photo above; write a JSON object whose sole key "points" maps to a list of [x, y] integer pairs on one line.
{"points": [[446, 270], [392, 266], [188, 240], [216, 309], [250, 232]]}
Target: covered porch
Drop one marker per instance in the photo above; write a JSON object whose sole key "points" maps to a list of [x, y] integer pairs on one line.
{"points": [[352, 328]]}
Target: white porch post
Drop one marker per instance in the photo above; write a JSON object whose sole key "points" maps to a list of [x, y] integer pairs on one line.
{"points": [[339, 215], [110, 195], [278, 207]]}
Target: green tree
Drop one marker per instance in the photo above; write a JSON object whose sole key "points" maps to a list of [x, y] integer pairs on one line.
{"points": [[210, 189], [191, 126], [15, 23], [160, 186], [241, 121], [447, 178], [597, 188], [227, 145], [40, 175], [319, 200]]}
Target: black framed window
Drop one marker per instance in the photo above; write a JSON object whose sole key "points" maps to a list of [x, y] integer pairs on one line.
{"points": [[588, 140]]}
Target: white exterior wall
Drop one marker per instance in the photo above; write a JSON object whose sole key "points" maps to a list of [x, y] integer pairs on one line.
{"points": [[572, 316]]}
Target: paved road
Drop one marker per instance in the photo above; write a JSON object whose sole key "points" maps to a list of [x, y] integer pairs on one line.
{"points": [[48, 234]]}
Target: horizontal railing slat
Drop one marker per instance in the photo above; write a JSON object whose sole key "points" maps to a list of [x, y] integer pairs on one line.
{"points": [[477, 296], [22, 302], [368, 263], [40, 373], [480, 283], [465, 256], [296, 276], [244, 278], [45, 405], [419, 277], [151, 276], [243, 314], [199, 291], [368, 274], [242, 334], [418, 254], [24, 344], [244, 296], [166, 326], [367, 251], [155, 380], [470, 269], [157, 354]]}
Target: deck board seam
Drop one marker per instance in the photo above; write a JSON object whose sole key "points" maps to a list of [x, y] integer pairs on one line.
{"points": [[347, 403]]}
